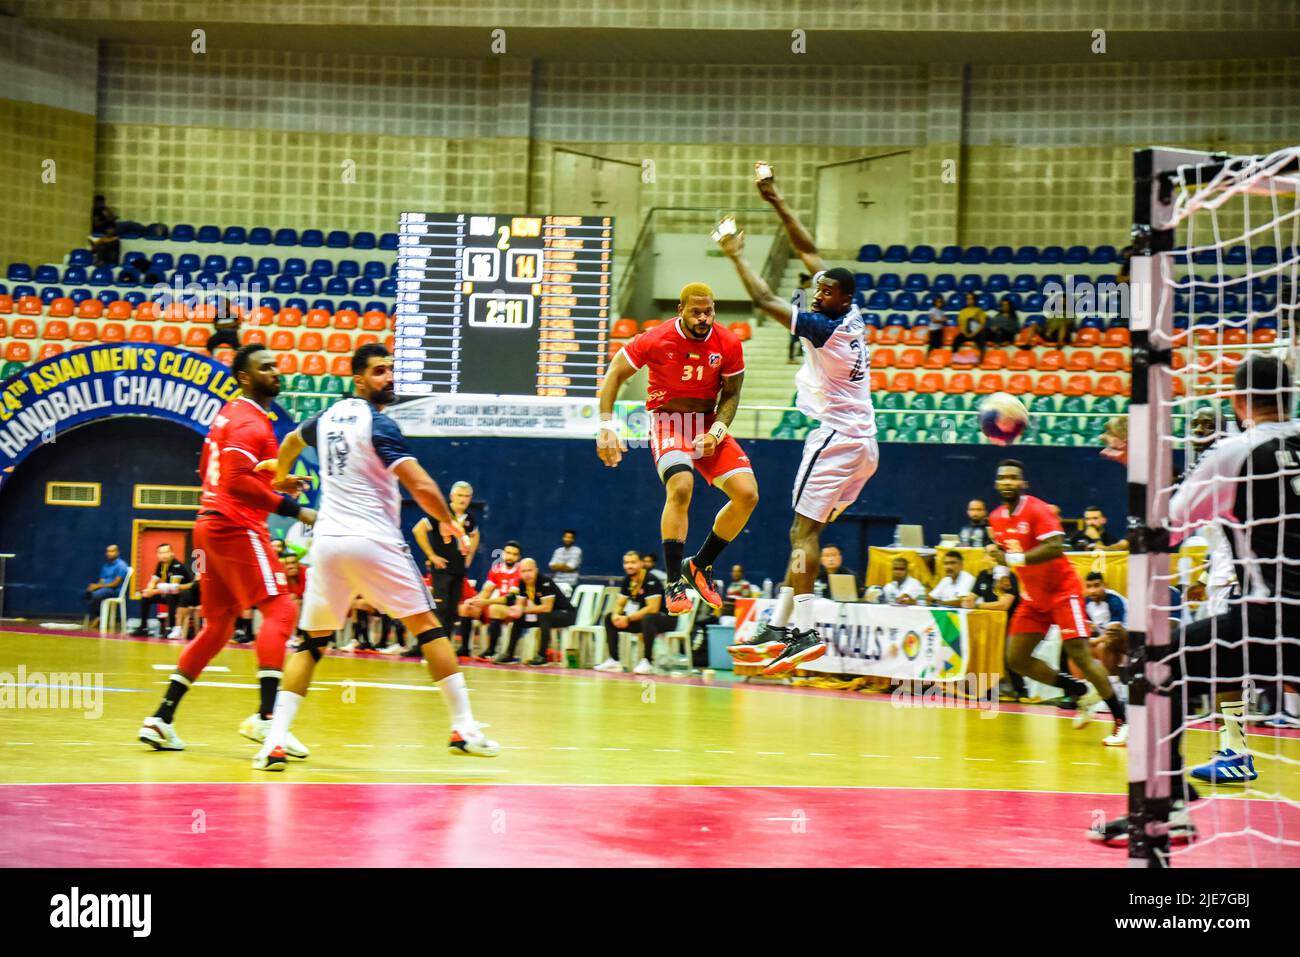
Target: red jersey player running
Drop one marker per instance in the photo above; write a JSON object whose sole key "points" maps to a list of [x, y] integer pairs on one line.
{"points": [[696, 370], [239, 569], [1050, 594]]}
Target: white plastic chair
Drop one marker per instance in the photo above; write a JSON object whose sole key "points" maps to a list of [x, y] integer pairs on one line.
{"points": [[112, 611], [583, 598], [593, 602], [684, 633]]}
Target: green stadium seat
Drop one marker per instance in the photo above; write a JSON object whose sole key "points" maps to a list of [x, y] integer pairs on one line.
{"points": [[307, 405], [889, 400], [10, 369], [1105, 405], [332, 384], [922, 402], [1075, 403], [955, 402], [302, 383]]}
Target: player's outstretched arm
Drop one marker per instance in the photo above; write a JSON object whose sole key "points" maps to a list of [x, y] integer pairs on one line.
{"points": [[609, 444], [759, 291], [801, 239], [290, 449], [428, 496]]}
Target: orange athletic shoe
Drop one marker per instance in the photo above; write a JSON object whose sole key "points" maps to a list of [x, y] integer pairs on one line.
{"points": [[701, 579]]}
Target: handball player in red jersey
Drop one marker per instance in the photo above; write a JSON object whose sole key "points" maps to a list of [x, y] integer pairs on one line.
{"points": [[239, 569], [696, 371], [1050, 594]]}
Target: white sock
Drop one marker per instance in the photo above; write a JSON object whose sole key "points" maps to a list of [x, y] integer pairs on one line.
{"points": [[1291, 702], [286, 709], [1234, 714], [784, 605], [457, 698], [805, 617]]}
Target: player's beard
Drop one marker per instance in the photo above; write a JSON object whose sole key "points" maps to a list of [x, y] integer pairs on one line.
{"points": [[383, 396]]}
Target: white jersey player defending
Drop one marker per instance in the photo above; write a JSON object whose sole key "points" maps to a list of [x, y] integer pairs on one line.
{"points": [[358, 548], [841, 454]]}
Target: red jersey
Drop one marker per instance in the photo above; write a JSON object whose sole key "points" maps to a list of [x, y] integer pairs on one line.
{"points": [[297, 586], [1026, 528], [506, 579], [682, 367], [240, 437]]}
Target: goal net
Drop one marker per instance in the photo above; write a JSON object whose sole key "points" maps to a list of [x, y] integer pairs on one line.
{"points": [[1216, 256]]}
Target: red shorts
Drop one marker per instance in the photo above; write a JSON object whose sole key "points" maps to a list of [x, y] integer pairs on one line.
{"points": [[238, 570], [672, 440], [1067, 614]]}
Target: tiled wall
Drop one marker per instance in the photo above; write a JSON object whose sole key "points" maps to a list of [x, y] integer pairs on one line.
{"points": [[47, 107]]}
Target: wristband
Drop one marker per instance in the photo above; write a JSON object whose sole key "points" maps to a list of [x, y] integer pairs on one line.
{"points": [[719, 431], [288, 507], [1015, 558], [610, 425]]}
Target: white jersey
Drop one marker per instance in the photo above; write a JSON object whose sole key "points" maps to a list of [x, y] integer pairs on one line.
{"points": [[834, 382], [358, 447]]}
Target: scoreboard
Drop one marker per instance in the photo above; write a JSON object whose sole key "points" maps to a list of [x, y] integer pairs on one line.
{"points": [[497, 304]]}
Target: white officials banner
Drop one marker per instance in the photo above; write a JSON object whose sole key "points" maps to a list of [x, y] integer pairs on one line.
{"points": [[888, 641], [491, 415]]}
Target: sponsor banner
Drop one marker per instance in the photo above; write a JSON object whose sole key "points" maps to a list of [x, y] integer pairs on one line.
{"points": [[506, 415], [888, 641], [62, 392]]}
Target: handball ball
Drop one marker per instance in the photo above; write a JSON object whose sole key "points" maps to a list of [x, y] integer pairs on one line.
{"points": [[1003, 418]]}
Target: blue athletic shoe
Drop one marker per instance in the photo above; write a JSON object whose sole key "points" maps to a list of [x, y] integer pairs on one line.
{"points": [[1227, 767]]}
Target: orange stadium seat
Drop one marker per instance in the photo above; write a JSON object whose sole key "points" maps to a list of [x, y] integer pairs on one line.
{"points": [[930, 382], [29, 306], [869, 334], [4, 328], [63, 308], [1048, 385], [388, 341], [174, 312], [890, 336], [650, 324], [365, 339], [18, 352], [1077, 385], [903, 382], [1022, 359], [742, 330], [909, 359], [85, 332], [1079, 360], [48, 350], [25, 329], [261, 316], [146, 312], [878, 380], [1115, 338], [224, 356], [204, 313], [119, 310], [56, 330], [287, 363], [116, 332], [994, 359], [989, 383], [967, 357], [346, 319], [882, 358], [314, 364], [1111, 361], [1235, 337], [6, 304], [624, 328], [90, 309], [281, 340], [1022, 383], [289, 316], [1263, 336], [196, 337], [1180, 389], [341, 367], [258, 336], [168, 336], [338, 342], [1179, 360], [614, 349], [374, 321], [140, 333], [1110, 385], [962, 383], [317, 319], [311, 342], [1207, 337], [937, 359], [916, 336], [1088, 336], [1051, 360]]}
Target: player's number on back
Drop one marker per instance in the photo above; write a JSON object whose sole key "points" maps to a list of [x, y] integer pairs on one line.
{"points": [[214, 466], [693, 373]]}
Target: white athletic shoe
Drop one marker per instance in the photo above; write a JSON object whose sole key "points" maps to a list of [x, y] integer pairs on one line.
{"points": [[352, 645], [256, 728], [609, 664], [472, 741], [643, 667], [270, 759], [174, 634], [160, 735], [1085, 705], [393, 648], [1118, 738]]}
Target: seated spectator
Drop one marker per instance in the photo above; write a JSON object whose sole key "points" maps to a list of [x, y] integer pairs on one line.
{"points": [[976, 534], [545, 605], [1103, 606], [1093, 537], [996, 588], [296, 577], [1059, 329], [566, 560], [225, 326], [637, 610], [277, 546], [107, 249], [101, 214], [833, 564], [497, 602], [111, 575], [972, 326], [738, 587], [1005, 324], [936, 319], [171, 581], [955, 585], [902, 588], [649, 559]]}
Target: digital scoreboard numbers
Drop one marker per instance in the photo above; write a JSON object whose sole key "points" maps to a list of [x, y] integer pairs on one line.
{"points": [[495, 304]]}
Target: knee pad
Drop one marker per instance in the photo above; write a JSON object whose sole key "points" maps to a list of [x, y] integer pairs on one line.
{"points": [[432, 634], [313, 646]]}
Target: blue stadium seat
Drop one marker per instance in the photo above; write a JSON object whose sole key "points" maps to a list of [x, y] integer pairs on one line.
{"points": [[896, 253], [348, 304], [906, 300], [268, 266], [348, 269], [50, 293], [208, 278], [1236, 256], [1104, 256], [1237, 322], [897, 319], [1263, 284], [258, 283], [1205, 257], [215, 263], [131, 231], [312, 238], [388, 287], [338, 239], [46, 274], [1117, 322], [1013, 297], [971, 282], [1092, 322], [241, 264], [916, 282], [986, 301], [956, 301], [363, 287], [1266, 322], [235, 235], [208, 234], [74, 274], [974, 255], [321, 267], [1035, 301], [386, 241], [1034, 320], [337, 286], [1049, 279], [1231, 302], [1000, 255], [24, 290], [296, 302], [869, 253], [997, 282], [109, 295], [81, 257], [1051, 255], [101, 276], [271, 302], [233, 278], [1024, 282], [859, 299], [1202, 302], [1180, 320], [949, 255], [923, 254], [944, 282], [392, 270], [164, 262], [284, 284], [1025, 255], [259, 236], [1075, 255], [888, 282], [80, 295], [134, 297], [295, 266], [1207, 320], [286, 237], [374, 270], [375, 305], [326, 304], [136, 260], [1259, 302], [363, 241], [1264, 256], [180, 278], [872, 319], [182, 233]]}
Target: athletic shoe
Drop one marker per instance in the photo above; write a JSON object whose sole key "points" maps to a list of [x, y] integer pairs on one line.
{"points": [[701, 579], [1084, 715], [676, 601], [470, 740], [537, 662], [1283, 721], [506, 660], [1227, 767], [352, 645], [391, 649], [803, 646], [415, 652], [767, 642], [140, 632], [609, 664], [160, 735], [270, 760], [1115, 831], [174, 634], [1118, 738], [256, 728], [643, 667]]}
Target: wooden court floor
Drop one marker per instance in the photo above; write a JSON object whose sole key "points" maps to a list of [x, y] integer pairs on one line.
{"points": [[595, 770]]}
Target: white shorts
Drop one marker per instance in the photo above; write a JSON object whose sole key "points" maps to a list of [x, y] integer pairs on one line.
{"points": [[832, 473], [344, 567]]}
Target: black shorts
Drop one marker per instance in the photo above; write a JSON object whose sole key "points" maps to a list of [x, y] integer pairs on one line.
{"points": [[1256, 640]]}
